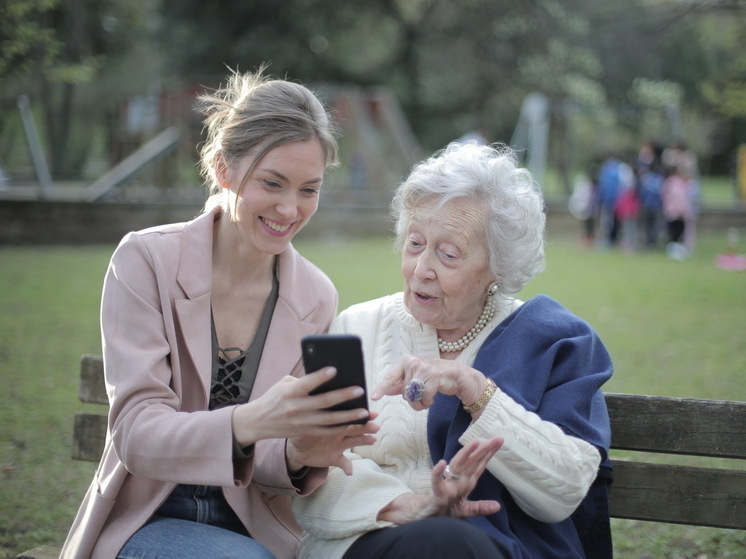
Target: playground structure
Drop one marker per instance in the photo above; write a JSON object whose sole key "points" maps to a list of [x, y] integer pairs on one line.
{"points": [[377, 148], [532, 132]]}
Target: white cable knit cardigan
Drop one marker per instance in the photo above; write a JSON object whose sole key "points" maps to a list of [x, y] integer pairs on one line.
{"points": [[546, 471]]}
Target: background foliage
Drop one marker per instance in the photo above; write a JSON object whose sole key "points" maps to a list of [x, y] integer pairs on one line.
{"points": [[615, 72]]}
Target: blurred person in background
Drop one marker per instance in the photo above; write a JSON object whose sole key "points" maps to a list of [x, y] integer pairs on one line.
{"points": [[608, 189], [650, 181], [583, 204], [678, 210], [627, 211], [679, 159]]}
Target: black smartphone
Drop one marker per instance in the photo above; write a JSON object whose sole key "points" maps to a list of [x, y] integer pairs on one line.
{"points": [[343, 352]]}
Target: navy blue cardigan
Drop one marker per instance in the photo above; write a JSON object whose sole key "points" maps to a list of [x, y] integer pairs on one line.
{"points": [[552, 363]]}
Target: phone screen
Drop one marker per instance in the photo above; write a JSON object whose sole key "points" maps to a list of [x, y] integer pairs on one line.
{"points": [[343, 352]]}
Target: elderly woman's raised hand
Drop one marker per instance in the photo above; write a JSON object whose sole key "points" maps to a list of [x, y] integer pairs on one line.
{"points": [[418, 380], [451, 485]]}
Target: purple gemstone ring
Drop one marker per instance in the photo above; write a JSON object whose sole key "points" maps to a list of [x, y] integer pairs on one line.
{"points": [[415, 390]]}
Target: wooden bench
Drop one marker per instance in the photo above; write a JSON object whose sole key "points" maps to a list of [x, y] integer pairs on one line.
{"points": [[694, 495]]}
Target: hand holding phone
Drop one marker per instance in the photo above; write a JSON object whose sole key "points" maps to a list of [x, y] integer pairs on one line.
{"points": [[344, 353]]}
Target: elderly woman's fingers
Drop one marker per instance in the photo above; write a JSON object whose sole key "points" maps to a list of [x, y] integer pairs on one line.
{"points": [[409, 378], [418, 379], [467, 509], [472, 460], [392, 384], [452, 483]]}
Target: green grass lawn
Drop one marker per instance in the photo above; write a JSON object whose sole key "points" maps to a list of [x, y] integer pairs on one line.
{"points": [[673, 328]]}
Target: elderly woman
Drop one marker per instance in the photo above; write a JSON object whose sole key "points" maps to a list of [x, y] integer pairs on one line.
{"points": [[493, 425]]}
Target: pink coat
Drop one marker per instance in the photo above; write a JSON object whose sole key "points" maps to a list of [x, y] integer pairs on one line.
{"points": [[155, 320], [676, 197]]}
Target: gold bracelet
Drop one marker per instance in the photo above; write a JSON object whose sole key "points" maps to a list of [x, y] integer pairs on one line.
{"points": [[488, 392]]}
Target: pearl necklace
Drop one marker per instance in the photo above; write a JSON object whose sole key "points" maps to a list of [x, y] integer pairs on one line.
{"points": [[487, 313]]}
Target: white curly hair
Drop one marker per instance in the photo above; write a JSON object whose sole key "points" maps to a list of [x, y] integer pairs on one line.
{"points": [[488, 175]]}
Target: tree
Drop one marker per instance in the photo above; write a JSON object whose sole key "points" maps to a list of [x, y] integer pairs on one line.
{"points": [[452, 65], [55, 51], [22, 36]]}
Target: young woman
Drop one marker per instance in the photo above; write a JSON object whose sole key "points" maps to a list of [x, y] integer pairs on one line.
{"points": [[212, 428]]}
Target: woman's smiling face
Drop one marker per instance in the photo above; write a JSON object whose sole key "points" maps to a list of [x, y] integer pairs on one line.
{"points": [[445, 264], [273, 201]]}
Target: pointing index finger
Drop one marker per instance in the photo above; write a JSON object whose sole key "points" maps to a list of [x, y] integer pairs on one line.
{"points": [[391, 385]]}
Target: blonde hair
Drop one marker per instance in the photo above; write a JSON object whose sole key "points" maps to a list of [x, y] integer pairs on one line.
{"points": [[254, 111]]}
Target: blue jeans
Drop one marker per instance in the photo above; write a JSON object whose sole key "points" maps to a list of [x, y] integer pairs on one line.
{"points": [[195, 522]]}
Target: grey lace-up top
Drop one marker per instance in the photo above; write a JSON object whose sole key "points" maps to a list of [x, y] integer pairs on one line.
{"points": [[233, 369]]}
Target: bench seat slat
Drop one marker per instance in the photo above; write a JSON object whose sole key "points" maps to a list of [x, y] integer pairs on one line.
{"points": [[92, 388], [678, 425], [43, 552], [679, 494], [89, 436]]}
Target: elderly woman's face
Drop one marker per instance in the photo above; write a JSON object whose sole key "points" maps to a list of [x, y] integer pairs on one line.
{"points": [[445, 264]]}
